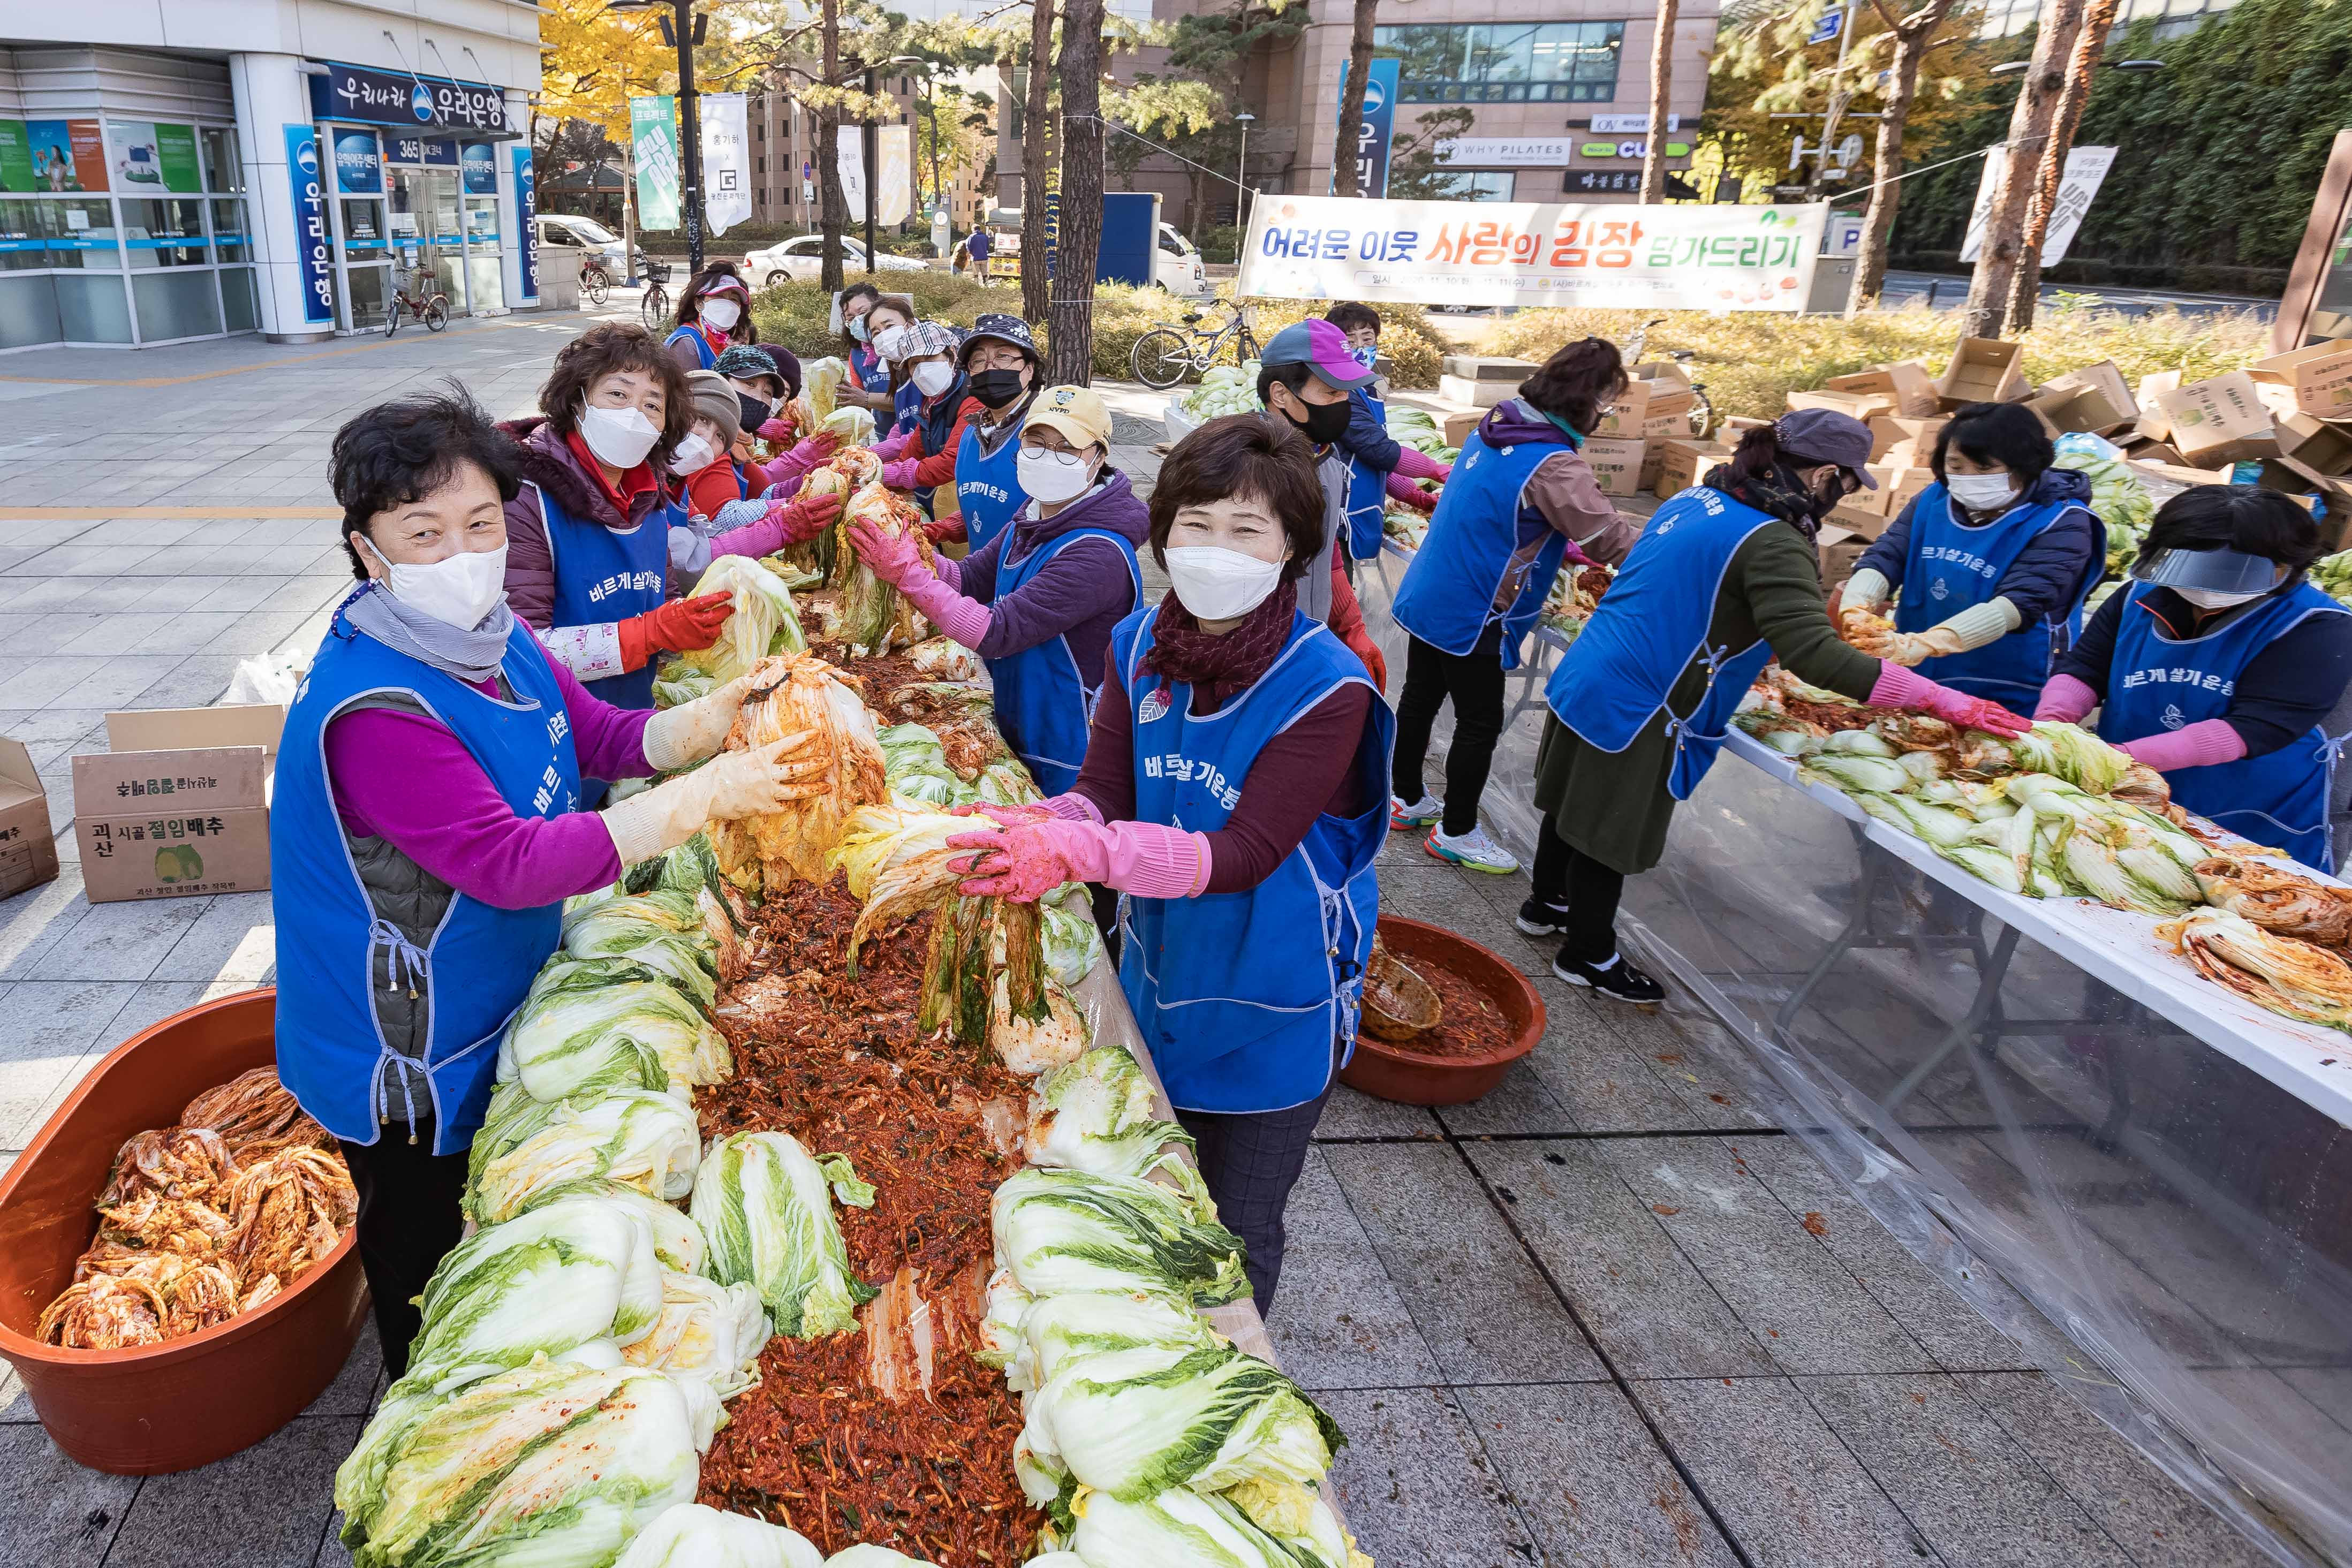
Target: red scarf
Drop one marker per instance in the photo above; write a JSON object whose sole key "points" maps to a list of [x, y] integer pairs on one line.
{"points": [[1218, 667], [711, 335]]}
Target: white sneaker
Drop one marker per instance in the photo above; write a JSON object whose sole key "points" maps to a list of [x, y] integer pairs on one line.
{"points": [[1472, 849], [1422, 813]]}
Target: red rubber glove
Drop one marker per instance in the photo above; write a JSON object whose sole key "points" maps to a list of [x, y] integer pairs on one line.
{"points": [[1899, 688], [941, 530], [807, 517], [681, 626], [900, 476], [893, 558]]}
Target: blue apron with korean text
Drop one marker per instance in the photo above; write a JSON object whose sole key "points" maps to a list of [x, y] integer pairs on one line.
{"points": [[1045, 705], [702, 354], [1953, 565], [1248, 1000], [1449, 590], [2157, 682], [601, 575], [988, 488], [872, 374], [906, 408], [1367, 492], [332, 948], [1654, 622]]}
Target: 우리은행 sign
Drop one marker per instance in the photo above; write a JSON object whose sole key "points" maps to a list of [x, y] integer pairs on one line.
{"points": [[309, 191], [1609, 257]]}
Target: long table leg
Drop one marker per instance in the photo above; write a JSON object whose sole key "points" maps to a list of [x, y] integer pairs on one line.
{"points": [[1980, 1009]]}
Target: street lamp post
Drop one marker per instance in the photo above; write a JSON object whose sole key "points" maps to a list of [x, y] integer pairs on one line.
{"points": [[689, 128], [873, 135], [1241, 171]]}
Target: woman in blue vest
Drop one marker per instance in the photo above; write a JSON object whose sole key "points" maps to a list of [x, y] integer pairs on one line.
{"points": [[426, 827], [1232, 790], [1380, 467], [2221, 667], [866, 313], [1520, 496], [714, 310], [922, 455], [999, 360], [1992, 561], [1724, 577]]}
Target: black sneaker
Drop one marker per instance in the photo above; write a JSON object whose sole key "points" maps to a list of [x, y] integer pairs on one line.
{"points": [[1615, 978], [1537, 918]]}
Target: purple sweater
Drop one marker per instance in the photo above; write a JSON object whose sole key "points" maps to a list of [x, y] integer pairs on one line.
{"points": [[440, 809], [1081, 593]]}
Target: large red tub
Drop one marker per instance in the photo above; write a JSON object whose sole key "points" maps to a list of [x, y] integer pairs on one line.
{"points": [[1387, 1070], [186, 1402]]}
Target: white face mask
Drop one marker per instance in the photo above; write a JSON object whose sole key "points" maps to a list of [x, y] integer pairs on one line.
{"points": [[1053, 476], [1219, 584], [887, 342], [722, 311], [693, 455], [458, 590], [2208, 598], [620, 436], [1981, 492], [932, 377]]}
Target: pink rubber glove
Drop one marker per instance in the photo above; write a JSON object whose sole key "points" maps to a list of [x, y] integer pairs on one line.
{"points": [[1149, 859], [1071, 808], [795, 465], [890, 557], [966, 620], [891, 446], [1406, 493], [1415, 464], [806, 518], [2065, 699], [900, 476], [2199, 745], [1899, 688]]}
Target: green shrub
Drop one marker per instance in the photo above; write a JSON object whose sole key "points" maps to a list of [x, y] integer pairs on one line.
{"points": [[1750, 361]]}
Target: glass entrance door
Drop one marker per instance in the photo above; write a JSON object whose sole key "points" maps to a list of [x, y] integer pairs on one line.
{"points": [[425, 231]]}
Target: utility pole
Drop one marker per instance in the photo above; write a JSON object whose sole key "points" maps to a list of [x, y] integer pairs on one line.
{"points": [[872, 135], [2025, 284], [689, 132], [2029, 129], [1662, 81]]}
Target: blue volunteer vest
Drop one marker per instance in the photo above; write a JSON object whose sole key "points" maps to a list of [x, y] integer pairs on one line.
{"points": [[1952, 566], [1044, 704], [1652, 622], [872, 374], [906, 408], [602, 576], [2157, 682], [988, 488], [1243, 997], [1449, 592], [476, 965], [1368, 493], [705, 359]]}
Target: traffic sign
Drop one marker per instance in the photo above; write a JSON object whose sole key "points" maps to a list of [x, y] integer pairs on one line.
{"points": [[1830, 23]]}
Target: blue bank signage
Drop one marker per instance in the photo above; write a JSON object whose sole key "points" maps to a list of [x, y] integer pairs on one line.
{"points": [[359, 167], [1374, 133], [397, 98], [526, 208], [311, 223]]}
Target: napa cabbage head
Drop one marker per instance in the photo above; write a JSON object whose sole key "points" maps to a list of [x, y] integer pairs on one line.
{"points": [[1184, 1529], [547, 1463], [1057, 1332], [661, 928], [635, 1137], [677, 1240], [766, 1208], [691, 1535], [609, 1023], [763, 620], [1058, 1230], [1094, 1114], [704, 1330]]}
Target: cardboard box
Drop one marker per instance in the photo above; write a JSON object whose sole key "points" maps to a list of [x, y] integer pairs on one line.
{"points": [[1623, 420], [1458, 424], [2153, 425], [180, 805], [1864, 406], [1475, 394], [2093, 398], [2316, 381], [1653, 459], [1840, 551], [1668, 418], [1897, 483], [1983, 370], [1733, 425], [1681, 462], [2219, 421], [1669, 372], [1617, 464], [1913, 436], [2315, 443], [28, 847], [2179, 472], [1857, 516], [1908, 382], [1484, 367], [2295, 477]]}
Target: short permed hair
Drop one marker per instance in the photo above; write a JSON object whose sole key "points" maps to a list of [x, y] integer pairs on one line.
{"points": [[1243, 455], [1352, 314], [404, 450], [599, 352], [1575, 380]]}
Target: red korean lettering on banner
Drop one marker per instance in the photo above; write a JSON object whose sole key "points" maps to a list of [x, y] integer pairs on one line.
{"points": [[1614, 247], [1568, 248]]}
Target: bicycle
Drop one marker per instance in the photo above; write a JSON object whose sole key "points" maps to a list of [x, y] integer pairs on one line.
{"points": [[654, 307], [428, 304], [1163, 356], [1702, 410], [595, 283]]}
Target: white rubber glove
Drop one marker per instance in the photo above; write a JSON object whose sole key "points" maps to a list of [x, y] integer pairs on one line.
{"points": [[692, 731], [1865, 590], [740, 784], [1974, 627]]}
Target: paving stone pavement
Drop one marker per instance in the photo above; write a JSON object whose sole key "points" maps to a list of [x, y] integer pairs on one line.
{"points": [[1607, 1315]]}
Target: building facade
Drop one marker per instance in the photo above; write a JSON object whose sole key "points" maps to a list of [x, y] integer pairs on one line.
{"points": [[185, 171], [784, 150]]}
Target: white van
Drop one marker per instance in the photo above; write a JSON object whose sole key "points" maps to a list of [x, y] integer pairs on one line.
{"points": [[1176, 267]]}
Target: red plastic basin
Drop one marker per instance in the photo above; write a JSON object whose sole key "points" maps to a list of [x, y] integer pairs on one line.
{"points": [[172, 1406], [1395, 1072]]}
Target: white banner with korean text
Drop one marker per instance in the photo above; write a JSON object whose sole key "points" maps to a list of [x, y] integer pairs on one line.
{"points": [[1600, 256]]}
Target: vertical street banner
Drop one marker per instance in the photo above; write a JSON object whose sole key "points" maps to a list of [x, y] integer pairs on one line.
{"points": [[726, 159], [1375, 132], [526, 182], [894, 169], [849, 158], [653, 143], [1613, 257], [2086, 171], [307, 182]]}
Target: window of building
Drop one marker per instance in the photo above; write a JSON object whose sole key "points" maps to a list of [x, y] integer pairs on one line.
{"points": [[1484, 185], [2173, 17], [1539, 62]]}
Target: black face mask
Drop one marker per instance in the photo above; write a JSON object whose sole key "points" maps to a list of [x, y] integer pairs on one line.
{"points": [[1326, 421], [995, 389], [755, 410]]}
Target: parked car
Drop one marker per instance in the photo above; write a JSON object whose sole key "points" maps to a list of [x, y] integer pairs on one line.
{"points": [[569, 229], [1176, 267], [803, 257]]}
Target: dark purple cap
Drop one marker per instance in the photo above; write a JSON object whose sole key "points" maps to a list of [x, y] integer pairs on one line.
{"points": [[1825, 435], [1322, 348]]}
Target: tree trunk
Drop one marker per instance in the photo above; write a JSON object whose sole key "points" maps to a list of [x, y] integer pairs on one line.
{"points": [[931, 112], [1913, 36], [1070, 319], [1033, 139], [2025, 287], [833, 203], [1346, 176], [2028, 128], [1662, 81]]}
